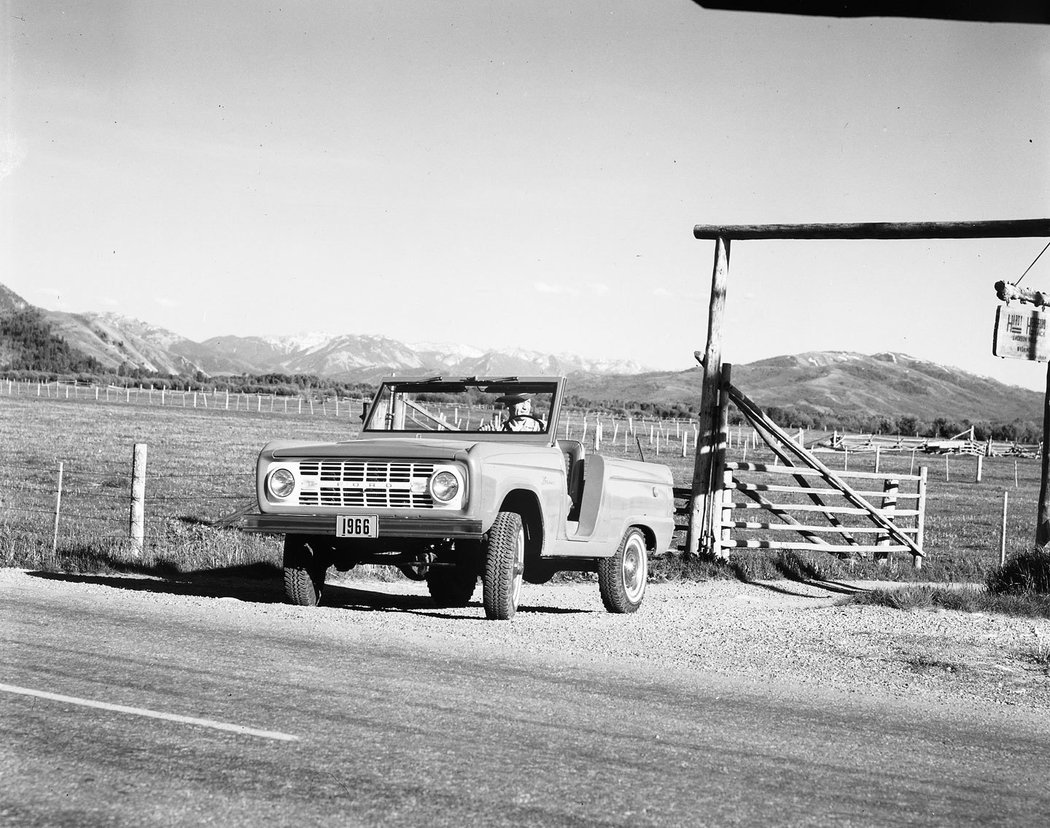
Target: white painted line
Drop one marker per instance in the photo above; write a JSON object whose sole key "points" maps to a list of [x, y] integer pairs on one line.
{"points": [[151, 714]]}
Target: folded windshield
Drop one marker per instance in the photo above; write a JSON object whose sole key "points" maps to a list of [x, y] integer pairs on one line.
{"points": [[465, 406]]}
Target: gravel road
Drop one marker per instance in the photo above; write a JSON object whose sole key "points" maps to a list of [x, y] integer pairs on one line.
{"points": [[798, 634], [129, 700]]}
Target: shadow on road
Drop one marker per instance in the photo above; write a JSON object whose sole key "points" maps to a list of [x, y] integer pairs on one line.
{"points": [[784, 587], [263, 583], [245, 583]]}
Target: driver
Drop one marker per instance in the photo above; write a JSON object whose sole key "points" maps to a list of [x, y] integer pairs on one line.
{"points": [[519, 414]]}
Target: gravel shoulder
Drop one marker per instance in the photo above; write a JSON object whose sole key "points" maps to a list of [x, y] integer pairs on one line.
{"points": [[774, 633]]}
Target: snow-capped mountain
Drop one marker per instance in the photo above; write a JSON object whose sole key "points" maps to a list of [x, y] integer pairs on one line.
{"points": [[115, 340]]}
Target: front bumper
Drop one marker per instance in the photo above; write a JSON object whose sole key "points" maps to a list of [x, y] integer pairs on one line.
{"points": [[389, 526]]}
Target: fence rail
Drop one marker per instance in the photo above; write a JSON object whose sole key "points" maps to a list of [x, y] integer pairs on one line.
{"points": [[798, 504]]}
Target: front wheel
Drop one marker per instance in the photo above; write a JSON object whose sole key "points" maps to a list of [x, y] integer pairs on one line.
{"points": [[621, 578], [504, 566], [305, 565]]}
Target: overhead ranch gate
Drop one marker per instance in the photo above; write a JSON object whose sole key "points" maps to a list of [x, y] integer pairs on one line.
{"points": [[713, 525], [800, 503]]}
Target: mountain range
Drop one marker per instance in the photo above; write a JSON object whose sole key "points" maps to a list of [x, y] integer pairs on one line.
{"points": [[827, 383]]}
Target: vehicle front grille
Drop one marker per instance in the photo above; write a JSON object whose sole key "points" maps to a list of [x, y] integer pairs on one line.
{"points": [[374, 484]]}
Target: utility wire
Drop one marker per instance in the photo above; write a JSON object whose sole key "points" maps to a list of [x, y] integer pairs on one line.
{"points": [[1036, 259]]}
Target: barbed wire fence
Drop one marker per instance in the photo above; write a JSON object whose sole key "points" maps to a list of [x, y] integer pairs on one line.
{"points": [[665, 435], [68, 499], [83, 502]]}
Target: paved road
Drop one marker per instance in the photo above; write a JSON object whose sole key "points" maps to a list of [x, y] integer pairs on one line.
{"points": [[394, 730]]}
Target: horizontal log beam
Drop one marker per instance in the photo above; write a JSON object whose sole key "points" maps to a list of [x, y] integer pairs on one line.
{"points": [[1003, 229]]}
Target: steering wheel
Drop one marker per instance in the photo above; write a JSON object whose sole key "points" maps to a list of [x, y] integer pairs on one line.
{"points": [[506, 425]]}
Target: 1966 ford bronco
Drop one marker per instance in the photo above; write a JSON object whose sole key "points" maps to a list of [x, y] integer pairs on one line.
{"points": [[452, 479]]}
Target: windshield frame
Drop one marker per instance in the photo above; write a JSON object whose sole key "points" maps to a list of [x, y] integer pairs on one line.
{"points": [[379, 409]]}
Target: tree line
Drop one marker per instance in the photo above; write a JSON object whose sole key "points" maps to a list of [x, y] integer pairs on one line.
{"points": [[27, 336], [38, 355]]}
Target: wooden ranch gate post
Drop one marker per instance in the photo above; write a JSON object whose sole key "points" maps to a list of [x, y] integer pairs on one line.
{"points": [[701, 510], [707, 439]]}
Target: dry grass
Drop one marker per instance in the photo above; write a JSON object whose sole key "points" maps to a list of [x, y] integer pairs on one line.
{"points": [[201, 467], [973, 599]]}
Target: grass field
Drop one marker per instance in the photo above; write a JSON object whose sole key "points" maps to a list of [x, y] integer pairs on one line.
{"points": [[201, 468]]}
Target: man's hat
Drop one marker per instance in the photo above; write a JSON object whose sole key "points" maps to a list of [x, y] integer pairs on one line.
{"points": [[513, 399]]}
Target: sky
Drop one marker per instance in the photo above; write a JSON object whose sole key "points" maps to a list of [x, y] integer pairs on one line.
{"points": [[527, 175]]}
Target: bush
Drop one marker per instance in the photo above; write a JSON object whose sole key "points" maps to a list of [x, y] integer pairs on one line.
{"points": [[1026, 573]]}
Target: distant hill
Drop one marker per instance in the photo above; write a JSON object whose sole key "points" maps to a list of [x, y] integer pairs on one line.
{"points": [[822, 384], [29, 342], [840, 383]]}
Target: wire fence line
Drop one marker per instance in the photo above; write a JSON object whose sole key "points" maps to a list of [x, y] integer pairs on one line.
{"points": [[85, 507], [201, 467], [575, 421], [315, 404]]}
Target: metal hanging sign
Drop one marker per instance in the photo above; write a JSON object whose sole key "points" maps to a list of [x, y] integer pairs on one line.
{"points": [[1020, 333]]}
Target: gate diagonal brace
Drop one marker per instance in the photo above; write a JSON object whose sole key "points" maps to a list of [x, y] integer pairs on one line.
{"points": [[816, 540], [750, 408], [756, 418]]}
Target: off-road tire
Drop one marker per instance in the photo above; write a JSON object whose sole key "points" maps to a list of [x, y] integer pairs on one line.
{"points": [[621, 578], [452, 586], [504, 566], [304, 570]]}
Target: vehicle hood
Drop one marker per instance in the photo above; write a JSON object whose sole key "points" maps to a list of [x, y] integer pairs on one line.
{"points": [[430, 449]]}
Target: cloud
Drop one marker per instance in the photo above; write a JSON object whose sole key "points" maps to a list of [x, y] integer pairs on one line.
{"points": [[12, 154], [564, 290], [166, 301], [661, 292], [598, 288]]}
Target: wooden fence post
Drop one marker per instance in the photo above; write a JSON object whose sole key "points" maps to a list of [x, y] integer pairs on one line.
{"points": [[137, 520], [58, 510], [889, 505], [1002, 535], [980, 465], [719, 513], [920, 520]]}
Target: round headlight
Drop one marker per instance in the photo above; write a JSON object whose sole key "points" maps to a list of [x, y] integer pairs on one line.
{"points": [[444, 486], [282, 483]]}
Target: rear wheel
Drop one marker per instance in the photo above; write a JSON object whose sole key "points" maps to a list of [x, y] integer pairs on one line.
{"points": [[504, 566], [452, 586], [305, 565], [621, 578]]}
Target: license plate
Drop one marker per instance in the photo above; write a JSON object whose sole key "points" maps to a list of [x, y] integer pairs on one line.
{"points": [[357, 526]]}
